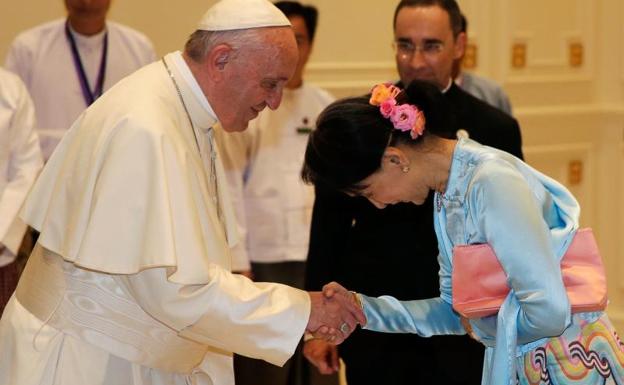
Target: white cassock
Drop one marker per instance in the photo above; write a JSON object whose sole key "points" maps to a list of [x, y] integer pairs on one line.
{"points": [[129, 282], [20, 161], [42, 57]]}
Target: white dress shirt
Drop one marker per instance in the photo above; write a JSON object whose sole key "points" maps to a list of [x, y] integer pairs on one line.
{"points": [[20, 160], [263, 164], [42, 57]]}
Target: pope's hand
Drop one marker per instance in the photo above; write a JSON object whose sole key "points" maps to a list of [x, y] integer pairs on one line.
{"points": [[323, 355], [333, 317]]}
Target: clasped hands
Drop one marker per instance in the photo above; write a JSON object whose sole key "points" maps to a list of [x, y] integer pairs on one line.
{"points": [[335, 313]]}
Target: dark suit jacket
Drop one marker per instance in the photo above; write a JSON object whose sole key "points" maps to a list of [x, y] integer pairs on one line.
{"points": [[394, 251]]}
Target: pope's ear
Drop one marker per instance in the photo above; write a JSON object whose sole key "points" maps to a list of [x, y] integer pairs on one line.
{"points": [[217, 60]]}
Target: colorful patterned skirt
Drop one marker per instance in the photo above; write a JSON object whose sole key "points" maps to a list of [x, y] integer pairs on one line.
{"points": [[587, 353]]}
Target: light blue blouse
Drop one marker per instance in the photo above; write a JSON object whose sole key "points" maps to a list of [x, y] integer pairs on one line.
{"points": [[529, 220]]}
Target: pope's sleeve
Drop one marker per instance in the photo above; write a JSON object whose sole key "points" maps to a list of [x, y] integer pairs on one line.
{"points": [[259, 320], [508, 213], [426, 317]]}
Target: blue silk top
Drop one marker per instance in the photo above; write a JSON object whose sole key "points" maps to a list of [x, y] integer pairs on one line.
{"points": [[529, 220]]}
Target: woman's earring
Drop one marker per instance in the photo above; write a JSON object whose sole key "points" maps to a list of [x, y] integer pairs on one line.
{"points": [[405, 169]]}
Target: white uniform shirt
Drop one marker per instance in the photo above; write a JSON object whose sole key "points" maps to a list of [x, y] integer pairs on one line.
{"points": [[263, 165], [42, 58], [20, 160]]}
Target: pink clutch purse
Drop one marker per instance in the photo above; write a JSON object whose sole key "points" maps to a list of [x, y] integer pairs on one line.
{"points": [[480, 284]]}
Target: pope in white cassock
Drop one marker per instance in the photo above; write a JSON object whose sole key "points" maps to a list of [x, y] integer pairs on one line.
{"points": [[129, 282]]}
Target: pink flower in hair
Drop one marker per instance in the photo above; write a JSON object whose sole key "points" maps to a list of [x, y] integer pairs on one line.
{"points": [[404, 116], [386, 108]]}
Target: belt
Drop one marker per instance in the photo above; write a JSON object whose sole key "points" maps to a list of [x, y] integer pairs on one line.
{"points": [[95, 308]]}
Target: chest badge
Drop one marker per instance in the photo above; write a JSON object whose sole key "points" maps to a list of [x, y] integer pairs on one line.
{"points": [[305, 128]]}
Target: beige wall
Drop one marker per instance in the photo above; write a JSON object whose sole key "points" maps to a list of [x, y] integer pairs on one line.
{"points": [[341, 36], [570, 115], [166, 22]]}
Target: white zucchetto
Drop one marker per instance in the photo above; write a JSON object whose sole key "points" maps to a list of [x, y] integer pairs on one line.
{"points": [[229, 15]]}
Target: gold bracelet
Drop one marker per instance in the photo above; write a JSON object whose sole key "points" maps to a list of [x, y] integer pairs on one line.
{"points": [[356, 297]]}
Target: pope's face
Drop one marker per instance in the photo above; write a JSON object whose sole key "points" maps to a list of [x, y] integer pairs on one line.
{"points": [[256, 79], [425, 46], [87, 7]]}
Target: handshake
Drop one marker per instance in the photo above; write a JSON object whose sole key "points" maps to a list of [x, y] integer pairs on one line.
{"points": [[335, 313]]}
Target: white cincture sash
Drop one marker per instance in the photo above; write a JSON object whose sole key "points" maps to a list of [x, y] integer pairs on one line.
{"points": [[94, 308]]}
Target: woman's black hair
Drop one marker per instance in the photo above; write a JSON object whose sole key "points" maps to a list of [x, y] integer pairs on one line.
{"points": [[351, 136]]}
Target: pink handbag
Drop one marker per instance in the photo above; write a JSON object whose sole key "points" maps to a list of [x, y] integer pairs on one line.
{"points": [[480, 284]]}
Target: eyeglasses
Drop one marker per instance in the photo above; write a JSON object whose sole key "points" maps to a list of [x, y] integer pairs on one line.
{"points": [[406, 49]]}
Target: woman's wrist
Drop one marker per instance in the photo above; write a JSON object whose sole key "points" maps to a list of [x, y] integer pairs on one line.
{"points": [[358, 301]]}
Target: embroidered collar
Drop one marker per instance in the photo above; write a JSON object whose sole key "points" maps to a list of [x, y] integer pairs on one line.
{"points": [[462, 164]]}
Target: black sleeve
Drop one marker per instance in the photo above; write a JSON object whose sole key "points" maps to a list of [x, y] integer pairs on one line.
{"points": [[331, 222], [515, 140]]}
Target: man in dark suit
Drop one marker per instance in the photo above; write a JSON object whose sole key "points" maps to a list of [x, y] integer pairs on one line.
{"points": [[394, 251]]}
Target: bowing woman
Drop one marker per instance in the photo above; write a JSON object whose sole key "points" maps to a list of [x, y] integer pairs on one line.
{"points": [[389, 149]]}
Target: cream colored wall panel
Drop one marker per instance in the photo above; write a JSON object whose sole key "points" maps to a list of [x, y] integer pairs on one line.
{"points": [[348, 30], [547, 29], [616, 279], [618, 203], [556, 125], [24, 14], [350, 78], [554, 136], [559, 161], [478, 13], [353, 30], [609, 134], [616, 37], [529, 92], [165, 22]]}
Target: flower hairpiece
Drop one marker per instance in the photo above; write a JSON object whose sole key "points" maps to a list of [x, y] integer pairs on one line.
{"points": [[404, 117]]}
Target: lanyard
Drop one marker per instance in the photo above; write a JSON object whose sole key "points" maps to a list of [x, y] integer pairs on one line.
{"points": [[89, 96]]}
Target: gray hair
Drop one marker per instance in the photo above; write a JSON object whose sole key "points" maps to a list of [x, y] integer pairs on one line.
{"points": [[200, 43]]}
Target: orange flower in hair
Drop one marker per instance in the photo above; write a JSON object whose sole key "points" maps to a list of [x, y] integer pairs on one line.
{"points": [[382, 92], [404, 117]]}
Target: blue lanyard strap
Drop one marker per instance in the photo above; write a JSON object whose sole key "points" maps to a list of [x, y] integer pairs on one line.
{"points": [[89, 96]]}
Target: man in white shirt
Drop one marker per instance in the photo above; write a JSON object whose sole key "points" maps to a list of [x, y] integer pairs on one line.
{"points": [[273, 205], [20, 162], [67, 64], [129, 282]]}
